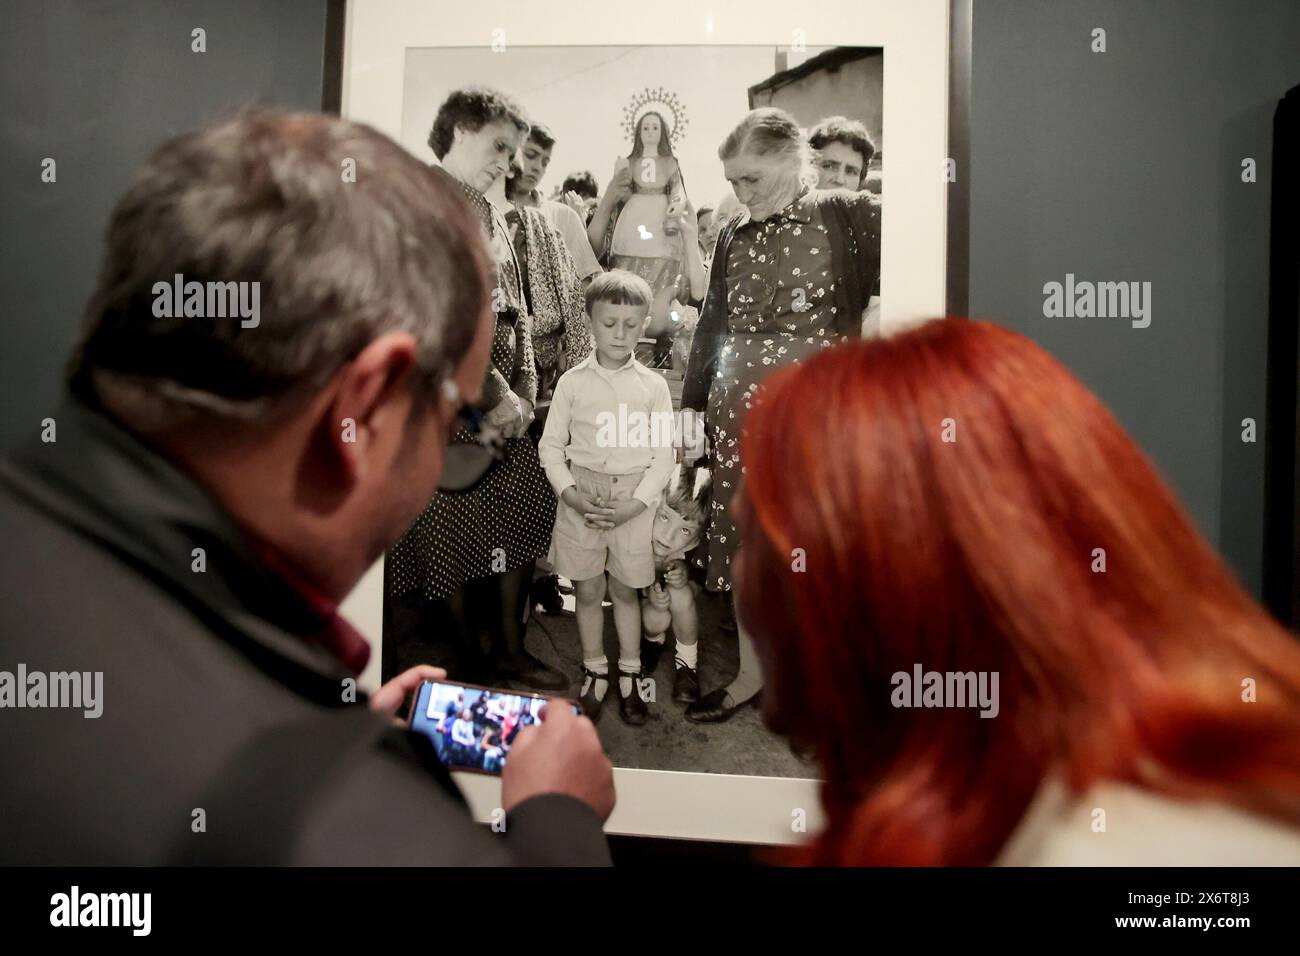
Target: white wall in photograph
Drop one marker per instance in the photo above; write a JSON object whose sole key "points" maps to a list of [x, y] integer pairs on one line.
{"points": [[580, 93], [913, 33]]}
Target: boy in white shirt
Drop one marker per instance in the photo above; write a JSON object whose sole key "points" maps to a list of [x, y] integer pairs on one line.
{"points": [[608, 451]]}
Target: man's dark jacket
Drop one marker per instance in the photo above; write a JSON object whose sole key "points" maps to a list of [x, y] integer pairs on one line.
{"points": [[225, 736]]}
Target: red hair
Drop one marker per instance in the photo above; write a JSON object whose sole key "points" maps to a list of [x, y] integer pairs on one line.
{"points": [[978, 553]]}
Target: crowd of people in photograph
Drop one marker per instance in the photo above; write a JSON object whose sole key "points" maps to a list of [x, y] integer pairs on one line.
{"points": [[476, 732], [600, 299]]}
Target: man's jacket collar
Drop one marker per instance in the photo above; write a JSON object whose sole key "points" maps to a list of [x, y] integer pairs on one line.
{"points": [[105, 484]]}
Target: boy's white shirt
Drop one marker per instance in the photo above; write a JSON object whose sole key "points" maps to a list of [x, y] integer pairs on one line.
{"points": [[581, 394]]}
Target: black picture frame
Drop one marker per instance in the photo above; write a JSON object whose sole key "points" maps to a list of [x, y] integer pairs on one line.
{"points": [[331, 96], [1281, 589]]}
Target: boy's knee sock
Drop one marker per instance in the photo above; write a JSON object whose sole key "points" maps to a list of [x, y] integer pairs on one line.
{"points": [[687, 655]]}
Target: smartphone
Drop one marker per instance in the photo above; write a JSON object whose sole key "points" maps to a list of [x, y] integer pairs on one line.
{"points": [[473, 727]]}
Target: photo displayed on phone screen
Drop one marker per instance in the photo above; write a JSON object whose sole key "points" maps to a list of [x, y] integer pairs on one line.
{"points": [[473, 728]]}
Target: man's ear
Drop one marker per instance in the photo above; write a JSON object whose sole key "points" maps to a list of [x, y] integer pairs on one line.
{"points": [[371, 400]]}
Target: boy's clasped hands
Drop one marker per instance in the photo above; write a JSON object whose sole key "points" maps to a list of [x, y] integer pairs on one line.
{"points": [[597, 512]]}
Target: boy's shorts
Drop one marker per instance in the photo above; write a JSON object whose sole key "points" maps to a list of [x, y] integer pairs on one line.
{"points": [[580, 553]]}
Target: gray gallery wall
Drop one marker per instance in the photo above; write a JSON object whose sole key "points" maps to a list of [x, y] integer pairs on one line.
{"points": [[95, 85], [1115, 165], [1126, 165]]}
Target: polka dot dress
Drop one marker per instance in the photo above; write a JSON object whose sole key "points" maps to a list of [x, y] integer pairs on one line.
{"points": [[505, 520], [780, 309]]}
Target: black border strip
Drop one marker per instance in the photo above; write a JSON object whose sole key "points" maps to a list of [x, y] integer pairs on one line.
{"points": [[1281, 585], [331, 97]]}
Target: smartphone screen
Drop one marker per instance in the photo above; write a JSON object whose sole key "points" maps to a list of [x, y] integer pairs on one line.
{"points": [[473, 727]]}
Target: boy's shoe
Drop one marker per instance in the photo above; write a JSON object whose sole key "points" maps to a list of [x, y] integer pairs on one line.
{"points": [[632, 708], [591, 704], [650, 654], [686, 684]]}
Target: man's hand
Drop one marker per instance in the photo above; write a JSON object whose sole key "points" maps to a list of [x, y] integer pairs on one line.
{"points": [[596, 514], [562, 755], [389, 698]]}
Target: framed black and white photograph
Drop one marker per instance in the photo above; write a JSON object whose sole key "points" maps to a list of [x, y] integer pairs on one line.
{"points": [[676, 203]]}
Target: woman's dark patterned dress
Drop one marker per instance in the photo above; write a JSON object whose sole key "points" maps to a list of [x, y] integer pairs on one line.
{"points": [[780, 309], [504, 521]]}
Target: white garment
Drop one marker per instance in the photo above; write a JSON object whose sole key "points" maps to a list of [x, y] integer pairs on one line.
{"points": [[1143, 828], [568, 224], [462, 732], [587, 397]]}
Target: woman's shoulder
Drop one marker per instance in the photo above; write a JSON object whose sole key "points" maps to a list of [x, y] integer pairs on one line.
{"points": [[542, 223], [855, 202], [521, 214], [1119, 824], [499, 217]]}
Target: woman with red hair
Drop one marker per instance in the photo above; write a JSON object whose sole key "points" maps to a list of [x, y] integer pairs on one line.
{"points": [[975, 511]]}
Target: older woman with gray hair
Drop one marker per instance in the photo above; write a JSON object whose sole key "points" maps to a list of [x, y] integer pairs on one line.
{"points": [[468, 560], [793, 272]]}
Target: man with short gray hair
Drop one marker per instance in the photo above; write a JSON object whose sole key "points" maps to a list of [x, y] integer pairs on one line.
{"points": [[291, 319]]}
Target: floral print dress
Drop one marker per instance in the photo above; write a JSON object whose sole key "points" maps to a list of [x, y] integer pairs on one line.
{"points": [[780, 309]]}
